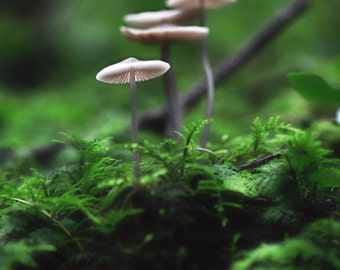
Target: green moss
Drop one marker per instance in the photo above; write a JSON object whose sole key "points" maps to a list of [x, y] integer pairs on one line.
{"points": [[93, 214]]}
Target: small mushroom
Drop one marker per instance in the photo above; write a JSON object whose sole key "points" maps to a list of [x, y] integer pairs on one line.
{"points": [[131, 71], [197, 3], [164, 35], [155, 18], [201, 5], [337, 116]]}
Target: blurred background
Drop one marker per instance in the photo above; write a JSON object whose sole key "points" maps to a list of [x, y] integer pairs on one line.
{"points": [[51, 50]]}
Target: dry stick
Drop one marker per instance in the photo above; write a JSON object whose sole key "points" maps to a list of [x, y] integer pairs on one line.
{"points": [[259, 162], [61, 226], [226, 68]]}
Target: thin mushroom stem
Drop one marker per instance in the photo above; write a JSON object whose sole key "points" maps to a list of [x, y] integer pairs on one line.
{"points": [[209, 81], [134, 123], [174, 104]]}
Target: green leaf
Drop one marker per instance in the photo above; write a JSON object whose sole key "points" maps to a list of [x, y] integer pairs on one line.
{"points": [[313, 87]]}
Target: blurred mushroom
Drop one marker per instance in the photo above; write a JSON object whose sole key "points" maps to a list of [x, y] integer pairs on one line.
{"points": [[155, 18], [164, 35], [337, 116], [197, 3], [131, 71], [201, 5]]}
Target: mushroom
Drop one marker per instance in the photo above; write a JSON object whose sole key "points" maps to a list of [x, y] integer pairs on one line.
{"points": [[197, 3], [132, 70], [201, 4], [164, 35], [155, 18]]}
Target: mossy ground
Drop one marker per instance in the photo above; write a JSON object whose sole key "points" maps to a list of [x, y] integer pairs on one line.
{"points": [[192, 208]]}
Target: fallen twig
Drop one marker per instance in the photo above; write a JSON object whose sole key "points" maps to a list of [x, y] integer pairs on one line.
{"points": [[56, 222], [259, 162]]}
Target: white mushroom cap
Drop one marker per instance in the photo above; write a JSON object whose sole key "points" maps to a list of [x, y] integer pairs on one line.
{"points": [[143, 70], [197, 3], [154, 18], [165, 33]]}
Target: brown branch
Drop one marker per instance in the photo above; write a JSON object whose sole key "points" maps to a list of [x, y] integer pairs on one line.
{"points": [[259, 162], [156, 118]]}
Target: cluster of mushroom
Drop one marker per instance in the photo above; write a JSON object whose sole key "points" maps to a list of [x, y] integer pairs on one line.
{"points": [[163, 28]]}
